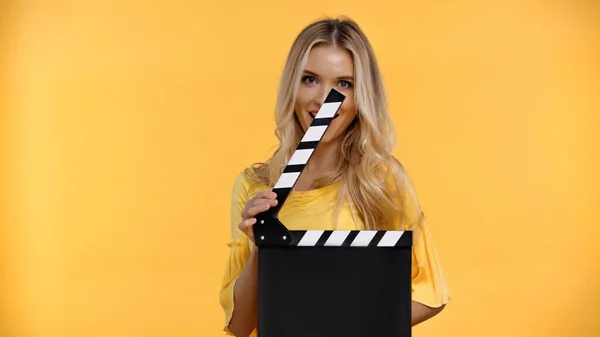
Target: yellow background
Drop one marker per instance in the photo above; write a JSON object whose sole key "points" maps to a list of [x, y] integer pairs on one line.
{"points": [[124, 124]]}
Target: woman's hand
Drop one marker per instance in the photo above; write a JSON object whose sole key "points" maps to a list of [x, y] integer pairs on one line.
{"points": [[261, 202], [245, 297]]}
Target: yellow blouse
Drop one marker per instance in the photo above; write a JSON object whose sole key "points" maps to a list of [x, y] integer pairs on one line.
{"points": [[309, 210]]}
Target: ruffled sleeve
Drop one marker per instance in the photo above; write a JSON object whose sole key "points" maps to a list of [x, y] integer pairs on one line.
{"points": [[428, 282], [239, 250]]}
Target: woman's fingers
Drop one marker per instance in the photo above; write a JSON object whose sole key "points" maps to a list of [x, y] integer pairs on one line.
{"points": [[251, 211], [261, 202], [258, 204], [266, 194], [246, 226], [271, 202]]}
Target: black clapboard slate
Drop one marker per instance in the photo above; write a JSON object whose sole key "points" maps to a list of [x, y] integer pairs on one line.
{"points": [[314, 283]]}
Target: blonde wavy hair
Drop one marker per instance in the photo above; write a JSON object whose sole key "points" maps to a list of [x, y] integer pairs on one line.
{"points": [[372, 179]]}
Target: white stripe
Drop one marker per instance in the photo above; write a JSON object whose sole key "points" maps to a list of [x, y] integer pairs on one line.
{"points": [[300, 157], [287, 180], [363, 238], [328, 110], [337, 238], [314, 133], [390, 239], [310, 238]]}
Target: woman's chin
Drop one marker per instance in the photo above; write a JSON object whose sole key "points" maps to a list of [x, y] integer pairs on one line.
{"points": [[331, 136]]}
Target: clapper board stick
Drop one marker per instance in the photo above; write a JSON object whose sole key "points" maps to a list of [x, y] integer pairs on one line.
{"points": [[268, 230]]}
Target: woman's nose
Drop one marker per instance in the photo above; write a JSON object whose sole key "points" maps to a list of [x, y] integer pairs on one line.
{"points": [[322, 94]]}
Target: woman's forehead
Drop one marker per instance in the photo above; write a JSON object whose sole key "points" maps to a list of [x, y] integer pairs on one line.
{"points": [[330, 61]]}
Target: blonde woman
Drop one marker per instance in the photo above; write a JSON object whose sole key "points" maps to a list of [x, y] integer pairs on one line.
{"points": [[352, 180]]}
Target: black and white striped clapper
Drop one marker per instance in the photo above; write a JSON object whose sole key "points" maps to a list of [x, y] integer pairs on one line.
{"points": [[323, 283], [313, 135], [350, 238], [268, 230]]}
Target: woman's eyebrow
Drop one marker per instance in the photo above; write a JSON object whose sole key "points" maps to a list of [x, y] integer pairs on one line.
{"points": [[346, 77]]}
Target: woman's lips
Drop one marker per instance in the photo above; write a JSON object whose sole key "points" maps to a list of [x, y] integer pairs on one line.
{"points": [[314, 115]]}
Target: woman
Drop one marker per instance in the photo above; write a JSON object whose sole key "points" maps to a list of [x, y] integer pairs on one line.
{"points": [[352, 181]]}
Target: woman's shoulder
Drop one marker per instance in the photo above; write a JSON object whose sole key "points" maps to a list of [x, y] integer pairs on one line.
{"points": [[250, 178], [394, 175], [400, 188]]}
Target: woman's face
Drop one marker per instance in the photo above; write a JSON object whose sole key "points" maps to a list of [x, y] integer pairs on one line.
{"points": [[327, 67]]}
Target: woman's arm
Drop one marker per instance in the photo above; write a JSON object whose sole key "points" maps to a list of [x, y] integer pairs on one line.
{"points": [[421, 312], [245, 299], [244, 317]]}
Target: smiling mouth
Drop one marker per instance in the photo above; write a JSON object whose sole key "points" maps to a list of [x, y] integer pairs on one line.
{"points": [[313, 115]]}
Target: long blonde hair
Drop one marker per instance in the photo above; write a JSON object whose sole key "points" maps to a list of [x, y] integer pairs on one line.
{"points": [[372, 179]]}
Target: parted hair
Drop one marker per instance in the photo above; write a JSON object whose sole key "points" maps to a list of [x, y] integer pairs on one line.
{"points": [[372, 179]]}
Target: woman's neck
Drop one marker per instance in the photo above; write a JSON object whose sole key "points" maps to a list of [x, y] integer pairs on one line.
{"points": [[325, 156]]}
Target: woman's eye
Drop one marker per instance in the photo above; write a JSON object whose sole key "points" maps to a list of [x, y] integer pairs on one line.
{"points": [[309, 79], [345, 84]]}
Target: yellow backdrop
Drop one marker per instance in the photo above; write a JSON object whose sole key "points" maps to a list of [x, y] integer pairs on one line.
{"points": [[125, 122]]}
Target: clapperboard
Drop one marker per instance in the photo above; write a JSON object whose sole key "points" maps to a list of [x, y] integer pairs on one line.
{"points": [[314, 283]]}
